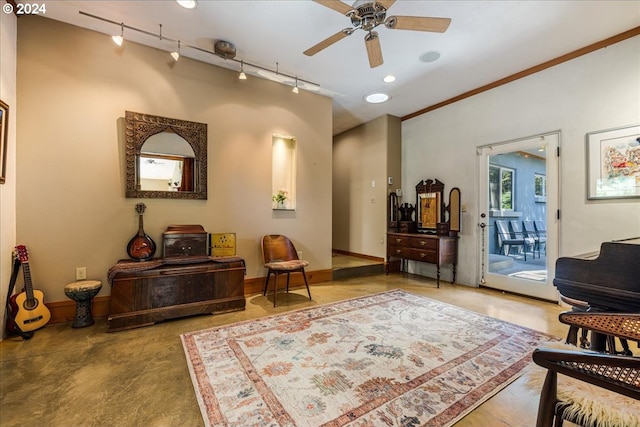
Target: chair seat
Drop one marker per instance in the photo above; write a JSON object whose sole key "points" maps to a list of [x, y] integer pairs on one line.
{"points": [[587, 404], [287, 265]]}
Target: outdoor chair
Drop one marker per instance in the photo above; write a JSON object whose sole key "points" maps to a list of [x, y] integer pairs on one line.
{"points": [[530, 232], [518, 233], [541, 230], [280, 257], [594, 389], [506, 240]]}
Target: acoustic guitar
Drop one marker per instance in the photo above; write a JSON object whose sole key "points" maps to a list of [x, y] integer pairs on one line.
{"points": [[28, 307], [141, 247]]}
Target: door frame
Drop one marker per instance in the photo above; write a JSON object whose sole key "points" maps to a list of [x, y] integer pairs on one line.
{"points": [[552, 141]]}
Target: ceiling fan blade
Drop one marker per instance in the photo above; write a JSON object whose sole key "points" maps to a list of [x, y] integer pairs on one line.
{"points": [[386, 3], [373, 49], [418, 23], [327, 42], [336, 5]]}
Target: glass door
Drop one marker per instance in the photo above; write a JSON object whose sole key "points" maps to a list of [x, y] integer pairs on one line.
{"points": [[518, 223]]}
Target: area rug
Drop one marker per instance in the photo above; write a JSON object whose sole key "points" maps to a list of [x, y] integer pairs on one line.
{"points": [[388, 359]]}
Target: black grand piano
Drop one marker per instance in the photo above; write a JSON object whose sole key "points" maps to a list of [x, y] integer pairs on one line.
{"points": [[609, 282]]}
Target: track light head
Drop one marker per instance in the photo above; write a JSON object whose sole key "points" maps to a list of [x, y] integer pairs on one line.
{"points": [[176, 55], [119, 39]]}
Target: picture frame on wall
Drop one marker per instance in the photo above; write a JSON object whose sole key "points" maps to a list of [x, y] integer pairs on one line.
{"points": [[613, 163], [4, 136]]}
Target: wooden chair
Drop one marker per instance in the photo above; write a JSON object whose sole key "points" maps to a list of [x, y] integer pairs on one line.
{"points": [[620, 375], [506, 240], [518, 233], [280, 257]]}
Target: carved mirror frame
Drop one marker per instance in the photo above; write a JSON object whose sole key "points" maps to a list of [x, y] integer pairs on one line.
{"points": [[138, 128]]}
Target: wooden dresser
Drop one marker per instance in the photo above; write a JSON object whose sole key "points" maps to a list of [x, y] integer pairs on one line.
{"points": [[141, 298], [429, 248]]}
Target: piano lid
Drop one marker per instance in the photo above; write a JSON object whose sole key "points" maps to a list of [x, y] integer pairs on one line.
{"points": [[610, 282]]}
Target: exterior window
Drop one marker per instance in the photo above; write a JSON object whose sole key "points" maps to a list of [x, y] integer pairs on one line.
{"points": [[501, 185], [540, 182]]}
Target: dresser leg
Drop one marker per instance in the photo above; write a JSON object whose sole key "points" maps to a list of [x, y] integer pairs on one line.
{"points": [[454, 273], [438, 278]]}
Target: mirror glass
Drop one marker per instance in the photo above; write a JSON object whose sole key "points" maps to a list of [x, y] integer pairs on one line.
{"points": [[429, 203], [165, 158]]}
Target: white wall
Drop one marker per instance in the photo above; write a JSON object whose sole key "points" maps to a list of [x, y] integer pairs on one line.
{"points": [[71, 206], [598, 91], [8, 41], [362, 160]]}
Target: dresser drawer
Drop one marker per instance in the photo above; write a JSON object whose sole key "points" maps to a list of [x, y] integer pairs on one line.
{"points": [[424, 255], [397, 240], [424, 243], [399, 251]]}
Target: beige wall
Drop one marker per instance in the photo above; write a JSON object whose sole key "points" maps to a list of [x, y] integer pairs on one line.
{"points": [[73, 88], [8, 37], [362, 156]]}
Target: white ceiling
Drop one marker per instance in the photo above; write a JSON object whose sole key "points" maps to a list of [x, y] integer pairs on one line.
{"points": [[486, 41]]}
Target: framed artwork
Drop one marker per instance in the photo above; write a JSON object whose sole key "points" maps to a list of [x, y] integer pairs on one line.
{"points": [[613, 163], [4, 136], [223, 244]]}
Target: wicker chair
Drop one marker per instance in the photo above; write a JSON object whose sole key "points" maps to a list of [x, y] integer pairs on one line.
{"points": [[280, 257], [620, 375]]}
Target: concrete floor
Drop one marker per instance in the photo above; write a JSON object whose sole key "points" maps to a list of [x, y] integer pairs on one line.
{"points": [[88, 377]]}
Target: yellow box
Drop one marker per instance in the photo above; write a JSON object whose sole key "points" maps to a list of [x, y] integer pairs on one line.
{"points": [[223, 244]]}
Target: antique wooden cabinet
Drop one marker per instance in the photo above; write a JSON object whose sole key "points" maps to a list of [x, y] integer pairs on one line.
{"points": [[140, 298], [429, 248]]}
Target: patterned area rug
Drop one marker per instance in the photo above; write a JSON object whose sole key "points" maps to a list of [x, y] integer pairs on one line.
{"points": [[388, 359]]}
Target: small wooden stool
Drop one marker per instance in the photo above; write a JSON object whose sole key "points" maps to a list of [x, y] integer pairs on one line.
{"points": [[82, 293]]}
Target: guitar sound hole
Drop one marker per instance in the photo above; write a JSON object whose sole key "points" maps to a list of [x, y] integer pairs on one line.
{"points": [[30, 304]]}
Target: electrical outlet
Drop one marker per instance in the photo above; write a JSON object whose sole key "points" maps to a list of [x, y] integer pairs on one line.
{"points": [[81, 273]]}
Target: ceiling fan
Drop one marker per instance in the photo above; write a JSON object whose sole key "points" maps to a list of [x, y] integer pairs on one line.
{"points": [[368, 14]]}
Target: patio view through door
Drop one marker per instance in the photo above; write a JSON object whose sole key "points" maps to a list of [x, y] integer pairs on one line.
{"points": [[518, 222]]}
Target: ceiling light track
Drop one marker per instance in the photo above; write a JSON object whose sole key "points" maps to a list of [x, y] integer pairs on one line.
{"points": [[182, 44]]}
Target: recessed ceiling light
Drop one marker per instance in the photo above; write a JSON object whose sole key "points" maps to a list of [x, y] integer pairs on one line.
{"points": [[188, 4], [390, 78], [430, 56], [377, 98]]}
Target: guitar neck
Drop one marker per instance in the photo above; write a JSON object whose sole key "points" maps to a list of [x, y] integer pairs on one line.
{"points": [[28, 286], [140, 226]]}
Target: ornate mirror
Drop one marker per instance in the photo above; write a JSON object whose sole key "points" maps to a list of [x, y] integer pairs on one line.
{"points": [[165, 158], [429, 204]]}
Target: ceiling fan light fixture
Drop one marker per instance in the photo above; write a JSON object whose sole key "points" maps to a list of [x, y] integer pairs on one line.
{"points": [[377, 98], [188, 4]]}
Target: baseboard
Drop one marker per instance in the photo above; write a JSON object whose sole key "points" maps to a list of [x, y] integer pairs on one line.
{"points": [[357, 255], [65, 311]]}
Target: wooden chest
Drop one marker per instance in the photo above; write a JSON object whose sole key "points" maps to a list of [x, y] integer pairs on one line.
{"points": [[141, 298], [185, 240]]}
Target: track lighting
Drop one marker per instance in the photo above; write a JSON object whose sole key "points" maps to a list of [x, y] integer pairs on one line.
{"points": [[119, 39], [176, 55], [222, 49], [242, 75]]}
